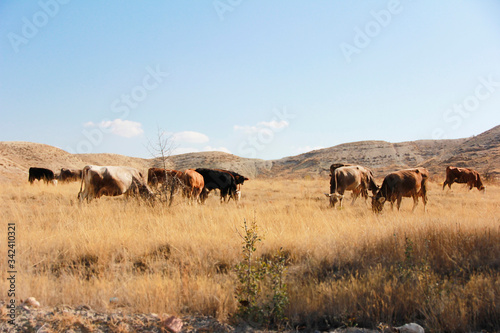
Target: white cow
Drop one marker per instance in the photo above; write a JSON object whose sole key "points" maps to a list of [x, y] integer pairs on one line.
{"points": [[112, 181], [353, 178]]}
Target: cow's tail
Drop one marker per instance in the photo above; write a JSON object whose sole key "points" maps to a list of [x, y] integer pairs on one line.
{"points": [[336, 182], [479, 183], [84, 174]]}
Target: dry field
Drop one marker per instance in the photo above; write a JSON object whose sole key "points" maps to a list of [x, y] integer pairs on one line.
{"points": [[349, 267]]}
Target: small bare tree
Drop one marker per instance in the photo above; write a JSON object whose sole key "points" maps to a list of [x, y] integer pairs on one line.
{"points": [[161, 149]]}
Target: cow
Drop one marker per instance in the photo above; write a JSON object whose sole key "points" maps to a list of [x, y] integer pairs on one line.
{"points": [[239, 179], [193, 184], [217, 179], [158, 176], [41, 174], [353, 178], [463, 175], [404, 183], [335, 166], [69, 175], [171, 181], [112, 181]]}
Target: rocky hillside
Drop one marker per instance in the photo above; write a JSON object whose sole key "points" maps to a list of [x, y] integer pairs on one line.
{"points": [[249, 167], [17, 157], [381, 156], [481, 152]]}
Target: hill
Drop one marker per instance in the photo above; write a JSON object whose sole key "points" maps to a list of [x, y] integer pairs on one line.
{"points": [[481, 152], [17, 157], [381, 156]]}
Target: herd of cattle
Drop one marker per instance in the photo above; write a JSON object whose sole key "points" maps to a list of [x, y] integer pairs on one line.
{"points": [[196, 184], [97, 181]]}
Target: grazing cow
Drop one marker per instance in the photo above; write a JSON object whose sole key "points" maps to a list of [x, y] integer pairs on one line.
{"points": [[404, 183], [463, 175], [158, 176], [69, 175], [353, 178], [171, 180], [239, 179], [112, 181], [193, 184], [41, 174], [217, 179], [335, 166]]}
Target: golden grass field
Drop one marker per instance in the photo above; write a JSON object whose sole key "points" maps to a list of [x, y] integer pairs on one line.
{"points": [[347, 266]]}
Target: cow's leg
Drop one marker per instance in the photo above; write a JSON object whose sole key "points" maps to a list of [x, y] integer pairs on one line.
{"points": [[354, 197], [415, 202], [223, 195], [400, 198]]}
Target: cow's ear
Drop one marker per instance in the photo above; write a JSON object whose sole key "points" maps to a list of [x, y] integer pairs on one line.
{"points": [[381, 199], [328, 195]]}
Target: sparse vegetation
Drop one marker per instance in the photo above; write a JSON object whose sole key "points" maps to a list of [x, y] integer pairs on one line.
{"points": [[261, 291], [344, 268]]}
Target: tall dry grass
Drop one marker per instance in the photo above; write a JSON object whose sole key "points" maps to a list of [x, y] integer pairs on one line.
{"points": [[439, 268]]}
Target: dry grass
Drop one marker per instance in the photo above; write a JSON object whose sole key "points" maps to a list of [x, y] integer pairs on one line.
{"points": [[347, 267]]}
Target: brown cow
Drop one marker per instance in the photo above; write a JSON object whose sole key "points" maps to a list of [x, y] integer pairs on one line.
{"points": [[158, 176], [112, 181], [171, 181], [69, 175], [193, 184], [399, 184], [353, 178], [463, 175]]}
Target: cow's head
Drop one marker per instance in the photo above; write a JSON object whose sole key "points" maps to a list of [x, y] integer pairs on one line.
{"points": [[334, 198], [377, 204], [237, 195], [203, 195], [81, 196], [146, 193]]}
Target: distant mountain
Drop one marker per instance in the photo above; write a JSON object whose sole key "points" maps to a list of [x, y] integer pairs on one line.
{"points": [[381, 156], [481, 152]]}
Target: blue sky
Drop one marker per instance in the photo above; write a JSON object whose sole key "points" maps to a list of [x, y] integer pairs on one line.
{"points": [[263, 79]]}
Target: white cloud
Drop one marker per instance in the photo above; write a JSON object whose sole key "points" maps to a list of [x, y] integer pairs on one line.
{"points": [[184, 150], [305, 149], [125, 128], [246, 129], [274, 125], [190, 137], [223, 149]]}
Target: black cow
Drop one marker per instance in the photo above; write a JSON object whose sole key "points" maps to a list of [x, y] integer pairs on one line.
{"points": [[218, 179], [41, 174], [239, 179], [69, 175]]}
